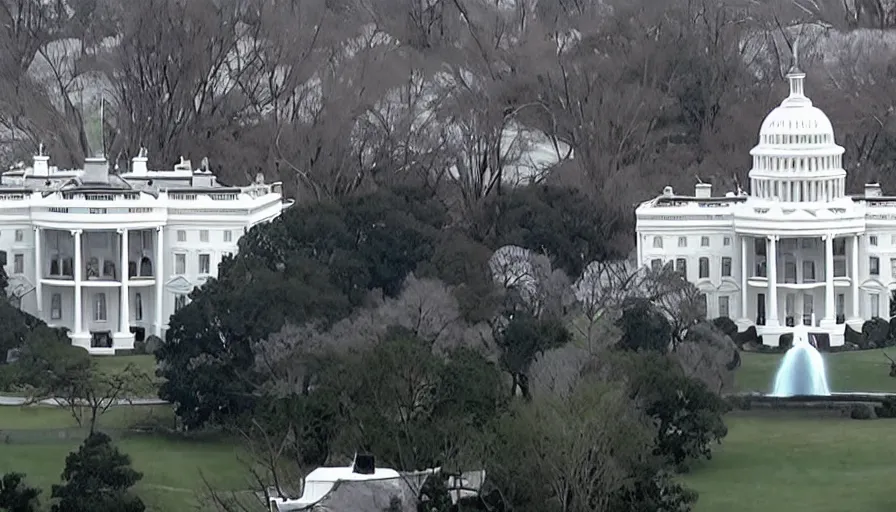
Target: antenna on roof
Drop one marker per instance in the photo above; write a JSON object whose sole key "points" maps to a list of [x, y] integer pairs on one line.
{"points": [[699, 181]]}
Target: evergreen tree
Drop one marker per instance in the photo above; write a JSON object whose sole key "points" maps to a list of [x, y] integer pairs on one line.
{"points": [[15, 496], [97, 478]]}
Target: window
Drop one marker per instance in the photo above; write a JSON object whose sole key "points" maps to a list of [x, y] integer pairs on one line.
{"points": [[180, 263], [874, 266], [181, 235], [892, 239], [179, 302], [20, 235], [204, 263], [228, 237], [726, 241], [704, 268], [789, 270], [704, 241], [138, 306], [724, 307], [55, 306], [760, 309], [682, 241], [760, 246], [656, 264], [99, 307], [18, 264], [808, 270], [726, 266], [839, 267], [203, 235], [893, 267], [872, 240], [681, 265], [839, 247], [841, 308], [875, 305], [808, 308]]}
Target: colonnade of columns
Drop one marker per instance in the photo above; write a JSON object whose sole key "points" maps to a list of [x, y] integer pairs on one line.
{"points": [[124, 320], [830, 313]]}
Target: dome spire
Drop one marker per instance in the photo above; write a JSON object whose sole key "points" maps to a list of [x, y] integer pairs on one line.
{"points": [[795, 75]]}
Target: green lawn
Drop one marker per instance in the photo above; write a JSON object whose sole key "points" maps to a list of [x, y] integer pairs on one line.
{"points": [[172, 468], [796, 462], [866, 370], [145, 363]]}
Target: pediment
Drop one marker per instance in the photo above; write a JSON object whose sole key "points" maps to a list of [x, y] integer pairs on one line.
{"points": [[179, 284], [873, 284], [729, 285]]}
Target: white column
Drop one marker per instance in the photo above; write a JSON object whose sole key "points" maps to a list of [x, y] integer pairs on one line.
{"points": [[829, 306], [78, 270], [124, 313], [854, 277], [157, 268], [744, 275], [38, 273], [772, 313]]}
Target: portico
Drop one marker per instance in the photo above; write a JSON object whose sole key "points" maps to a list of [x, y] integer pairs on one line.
{"points": [[102, 284], [792, 280]]}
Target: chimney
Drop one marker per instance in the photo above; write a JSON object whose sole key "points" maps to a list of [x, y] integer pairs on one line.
{"points": [[364, 464], [872, 190], [41, 167], [703, 191], [96, 170], [138, 165], [668, 192]]}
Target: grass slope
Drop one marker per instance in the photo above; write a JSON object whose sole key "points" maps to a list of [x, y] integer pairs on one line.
{"points": [[795, 462], [172, 468], [866, 370]]}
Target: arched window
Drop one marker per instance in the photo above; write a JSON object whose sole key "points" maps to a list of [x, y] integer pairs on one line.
{"points": [[657, 242]]}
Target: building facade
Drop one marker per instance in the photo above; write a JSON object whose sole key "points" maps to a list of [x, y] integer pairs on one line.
{"points": [[796, 250], [111, 256]]}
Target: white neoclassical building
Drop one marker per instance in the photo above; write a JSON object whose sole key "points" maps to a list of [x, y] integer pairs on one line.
{"points": [[796, 250], [111, 256]]}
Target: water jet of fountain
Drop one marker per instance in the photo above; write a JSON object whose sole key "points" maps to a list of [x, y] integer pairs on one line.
{"points": [[802, 370]]}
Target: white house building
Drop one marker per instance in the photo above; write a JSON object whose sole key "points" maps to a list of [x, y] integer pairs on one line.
{"points": [[795, 250], [111, 256]]}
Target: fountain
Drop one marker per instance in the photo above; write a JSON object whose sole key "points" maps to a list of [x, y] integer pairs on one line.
{"points": [[802, 371]]}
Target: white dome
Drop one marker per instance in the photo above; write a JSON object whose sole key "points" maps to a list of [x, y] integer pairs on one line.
{"points": [[797, 159], [796, 119]]}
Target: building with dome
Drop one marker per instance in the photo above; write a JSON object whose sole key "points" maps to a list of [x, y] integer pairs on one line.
{"points": [[796, 250], [110, 256]]}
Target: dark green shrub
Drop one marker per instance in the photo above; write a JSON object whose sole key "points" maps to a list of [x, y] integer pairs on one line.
{"points": [[785, 341], [140, 348], [739, 402], [748, 336], [891, 336], [875, 331], [854, 337], [861, 412], [152, 344], [726, 325], [887, 408]]}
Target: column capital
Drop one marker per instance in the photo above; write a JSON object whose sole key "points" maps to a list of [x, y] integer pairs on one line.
{"points": [[773, 238], [37, 228], [76, 232], [122, 230], [159, 228]]}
